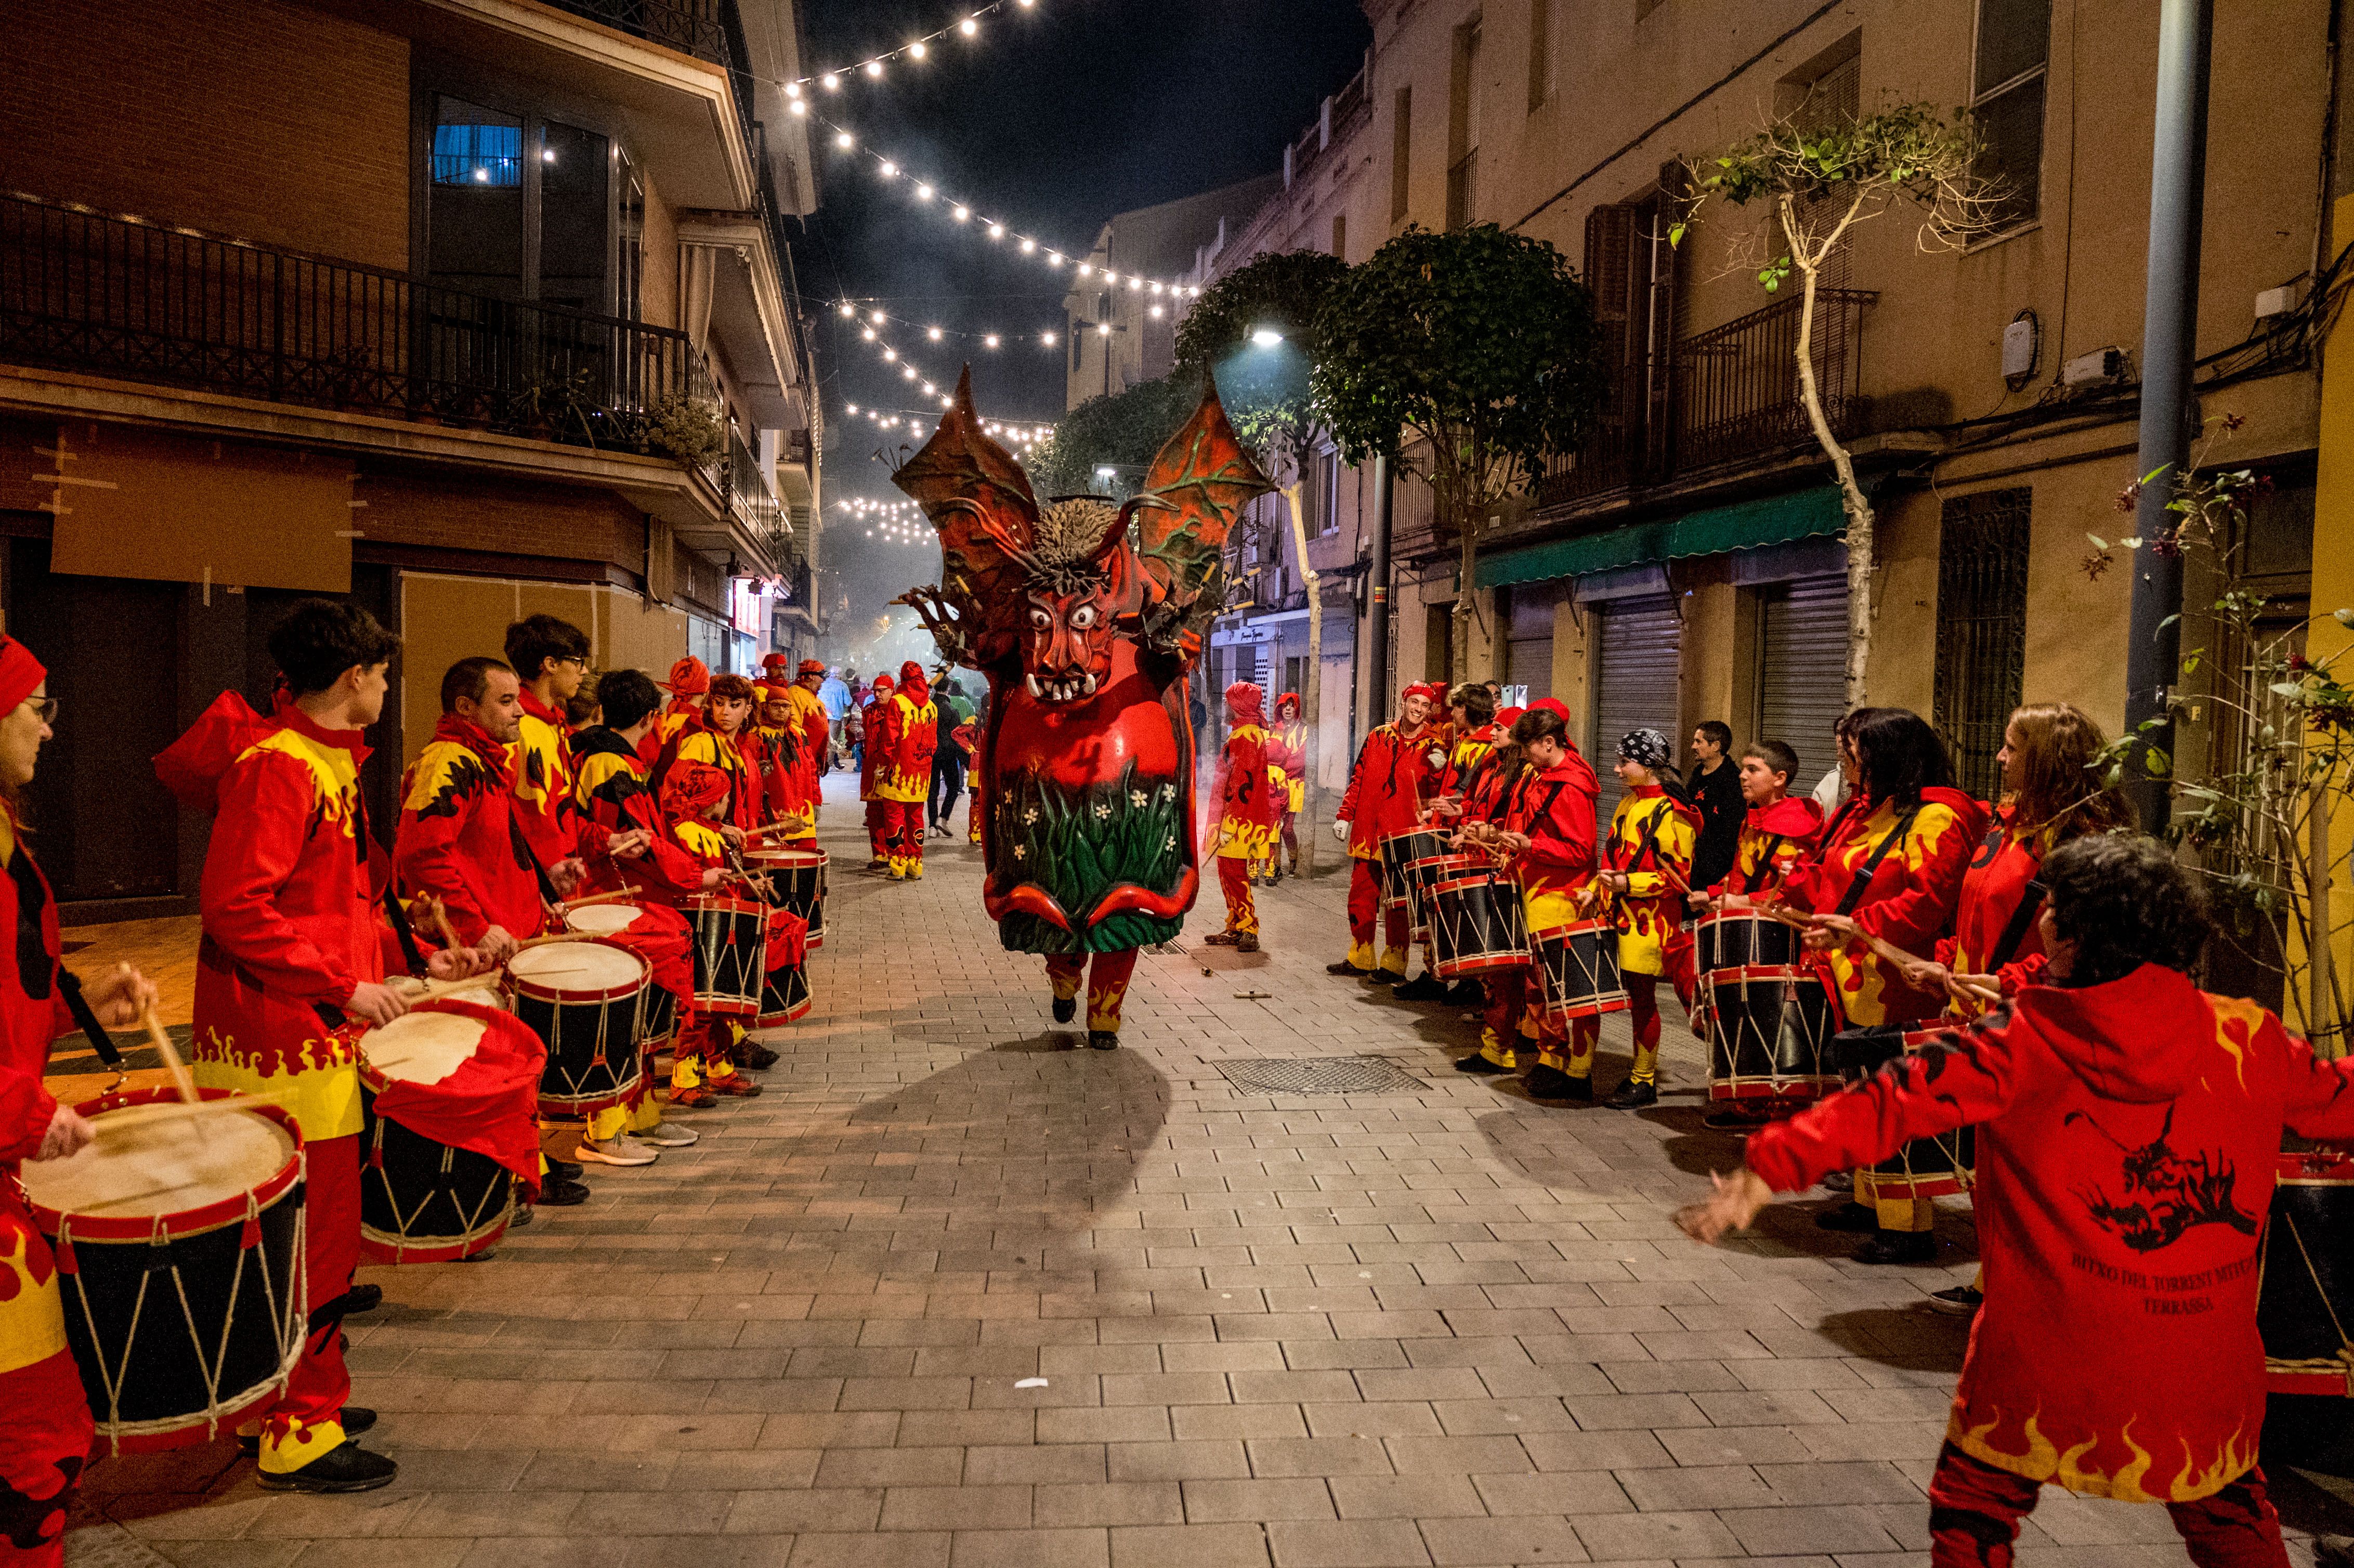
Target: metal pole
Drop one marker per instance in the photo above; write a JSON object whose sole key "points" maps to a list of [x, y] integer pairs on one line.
{"points": [[2177, 182], [1377, 617]]}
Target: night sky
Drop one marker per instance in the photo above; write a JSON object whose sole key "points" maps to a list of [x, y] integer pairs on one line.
{"points": [[1054, 118]]}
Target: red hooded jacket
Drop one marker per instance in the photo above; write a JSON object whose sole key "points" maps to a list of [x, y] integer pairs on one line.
{"points": [[1247, 807], [1908, 902], [2129, 1140], [1555, 810], [459, 840], [905, 733], [1775, 839], [1993, 890], [1387, 787]]}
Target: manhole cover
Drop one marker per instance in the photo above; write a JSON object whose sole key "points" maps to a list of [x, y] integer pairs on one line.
{"points": [[1323, 1075]]}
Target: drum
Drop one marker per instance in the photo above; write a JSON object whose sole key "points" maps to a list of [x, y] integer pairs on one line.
{"points": [[797, 878], [1745, 938], [586, 1000], [730, 953], [1927, 1167], [1770, 1030], [1476, 925], [784, 996], [422, 1200], [1423, 874], [1399, 851], [179, 1252], [2305, 1288], [1577, 966], [659, 1019]]}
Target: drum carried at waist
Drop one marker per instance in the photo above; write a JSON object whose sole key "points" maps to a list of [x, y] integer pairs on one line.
{"points": [[797, 879], [1399, 851], [659, 1019], [730, 953], [179, 1253], [1745, 938], [2305, 1296], [1577, 969], [1769, 1012], [449, 1092], [1477, 923], [586, 1000], [1932, 1167]]}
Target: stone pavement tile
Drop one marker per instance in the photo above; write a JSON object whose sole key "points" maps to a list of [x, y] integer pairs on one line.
{"points": [[1861, 1481], [1216, 1501], [1527, 1537], [1616, 1537], [1734, 1446], [1189, 1546], [1459, 1455], [891, 1468], [1117, 1503], [360, 1555], [1346, 1543], [1244, 1421], [1318, 1457], [944, 1507], [1405, 1495], [1197, 1459], [1795, 1531], [1124, 1423], [1030, 1549], [1035, 1464], [1558, 1491], [897, 1548]]}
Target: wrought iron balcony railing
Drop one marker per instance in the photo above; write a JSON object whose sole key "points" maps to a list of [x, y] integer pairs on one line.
{"points": [[113, 296]]}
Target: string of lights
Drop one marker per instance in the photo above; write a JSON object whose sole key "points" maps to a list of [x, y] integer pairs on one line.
{"points": [[875, 320], [894, 522], [1021, 437], [968, 27]]}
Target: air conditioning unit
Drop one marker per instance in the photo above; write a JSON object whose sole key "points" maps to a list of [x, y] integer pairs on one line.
{"points": [[2101, 365]]}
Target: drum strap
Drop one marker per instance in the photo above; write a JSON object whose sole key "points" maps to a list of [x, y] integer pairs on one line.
{"points": [[2014, 930], [87, 1021], [1862, 883], [1765, 863], [530, 857], [401, 929]]}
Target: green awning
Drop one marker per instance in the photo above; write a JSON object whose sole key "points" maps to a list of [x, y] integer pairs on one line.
{"points": [[1775, 520]]}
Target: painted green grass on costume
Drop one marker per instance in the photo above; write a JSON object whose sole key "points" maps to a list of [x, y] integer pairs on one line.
{"points": [[1080, 844]]}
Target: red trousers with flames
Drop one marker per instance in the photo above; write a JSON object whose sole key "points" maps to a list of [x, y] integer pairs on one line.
{"points": [[1106, 979]]}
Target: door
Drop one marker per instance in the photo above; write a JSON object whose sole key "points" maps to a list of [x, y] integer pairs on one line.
{"points": [[1639, 663], [1527, 614], [1802, 670]]}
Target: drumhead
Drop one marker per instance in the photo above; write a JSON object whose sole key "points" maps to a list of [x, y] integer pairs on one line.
{"points": [[162, 1166], [602, 919], [787, 859], [423, 1047], [578, 968]]}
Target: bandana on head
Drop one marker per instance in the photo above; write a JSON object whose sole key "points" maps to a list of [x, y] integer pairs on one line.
{"points": [[19, 673], [691, 788], [882, 685], [690, 677], [1434, 691], [1647, 746], [1242, 699], [774, 661]]}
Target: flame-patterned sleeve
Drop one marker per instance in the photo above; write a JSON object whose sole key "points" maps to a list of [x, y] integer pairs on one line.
{"points": [[1964, 1076], [2319, 1101], [269, 807], [1666, 866], [1937, 855], [25, 1108]]}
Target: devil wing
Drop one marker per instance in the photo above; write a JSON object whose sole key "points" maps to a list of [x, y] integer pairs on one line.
{"points": [[1195, 489], [980, 502]]}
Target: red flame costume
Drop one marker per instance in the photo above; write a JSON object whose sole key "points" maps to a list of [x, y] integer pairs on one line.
{"points": [[1246, 807], [870, 755], [1775, 839], [1287, 764], [1555, 810], [1996, 890], [1651, 838], [2128, 1142], [1087, 766], [1387, 788], [904, 737], [461, 837]]}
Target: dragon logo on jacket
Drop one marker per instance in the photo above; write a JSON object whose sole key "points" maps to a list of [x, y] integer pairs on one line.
{"points": [[1085, 616]]}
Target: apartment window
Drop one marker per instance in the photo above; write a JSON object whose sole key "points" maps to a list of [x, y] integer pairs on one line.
{"points": [[2014, 47], [1540, 53], [474, 147], [1463, 128], [521, 206], [1327, 492], [1401, 144], [1340, 234], [573, 217], [1981, 630]]}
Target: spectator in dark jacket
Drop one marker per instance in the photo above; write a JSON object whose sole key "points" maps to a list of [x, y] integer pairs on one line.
{"points": [[1714, 785], [948, 762]]}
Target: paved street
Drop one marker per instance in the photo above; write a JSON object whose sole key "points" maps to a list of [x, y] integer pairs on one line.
{"points": [[955, 1294]]}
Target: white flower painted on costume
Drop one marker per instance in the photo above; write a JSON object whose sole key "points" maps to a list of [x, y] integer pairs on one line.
{"points": [[1170, 843], [1137, 797], [1030, 815], [1020, 852], [1102, 811]]}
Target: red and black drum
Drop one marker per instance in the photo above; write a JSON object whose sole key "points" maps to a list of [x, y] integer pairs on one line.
{"points": [[1399, 851], [2305, 1300], [784, 997], [586, 1000], [1477, 924], [178, 1238], [1577, 968], [797, 880], [659, 1019], [730, 953], [1770, 1013], [423, 1200], [1933, 1167]]}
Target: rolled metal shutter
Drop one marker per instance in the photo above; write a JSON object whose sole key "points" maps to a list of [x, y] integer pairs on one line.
{"points": [[1636, 683], [1802, 670]]}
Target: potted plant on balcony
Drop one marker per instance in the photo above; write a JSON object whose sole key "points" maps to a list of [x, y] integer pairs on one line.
{"points": [[688, 428], [557, 408], [1818, 181]]}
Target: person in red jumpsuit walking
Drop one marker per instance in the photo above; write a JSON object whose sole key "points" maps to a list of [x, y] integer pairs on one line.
{"points": [[1246, 823], [1386, 795]]}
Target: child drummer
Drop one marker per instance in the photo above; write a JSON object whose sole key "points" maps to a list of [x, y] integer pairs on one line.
{"points": [[1649, 857], [694, 804], [1779, 834]]}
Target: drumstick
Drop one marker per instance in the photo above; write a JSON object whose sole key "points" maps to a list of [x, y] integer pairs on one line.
{"points": [[615, 896], [181, 1079], [434, 991], [441, 924]]}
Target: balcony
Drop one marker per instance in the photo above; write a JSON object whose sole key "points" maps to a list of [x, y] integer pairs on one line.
{"points": [[119, 298], [1730, 397]]}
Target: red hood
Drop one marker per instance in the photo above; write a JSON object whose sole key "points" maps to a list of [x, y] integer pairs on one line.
{"points": [[542, 712], [2142, 1039], [1575, 770], [1969, 810], [474, 738], [1792, 816], [193, 766]]}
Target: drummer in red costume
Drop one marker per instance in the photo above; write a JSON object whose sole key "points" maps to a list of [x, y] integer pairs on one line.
{"points": [[1387, 788], [1779, 834], [289, 937], [1471, 736], [1892, 867], [2118, 1355], [698, 800], [878, 809], [904, 737], [778, 746], [44, 1420], [1246, 816], [1287, 761], [1644, 881]]}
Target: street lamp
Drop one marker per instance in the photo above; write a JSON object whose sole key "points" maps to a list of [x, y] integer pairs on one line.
{"points": [[1266, 336]]}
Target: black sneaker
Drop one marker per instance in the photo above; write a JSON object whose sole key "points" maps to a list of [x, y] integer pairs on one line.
{"points": [[1860, 1218], [1899, 1247], [1734, 1120], [564, 1170], [1066, 1009], [1103, 1040], [347, 1468], [1549, 1083], [1838, 1181], [1386, 977], [1632, 1096], [1246, 942], [361, 1298], [1961, 1301], [755, 1056], [1345, 968], [1478, 1062], [557, 1193], [1424, 987]]}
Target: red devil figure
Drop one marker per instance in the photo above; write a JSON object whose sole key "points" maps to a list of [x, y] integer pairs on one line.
{"points": [[1085, 617]]}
